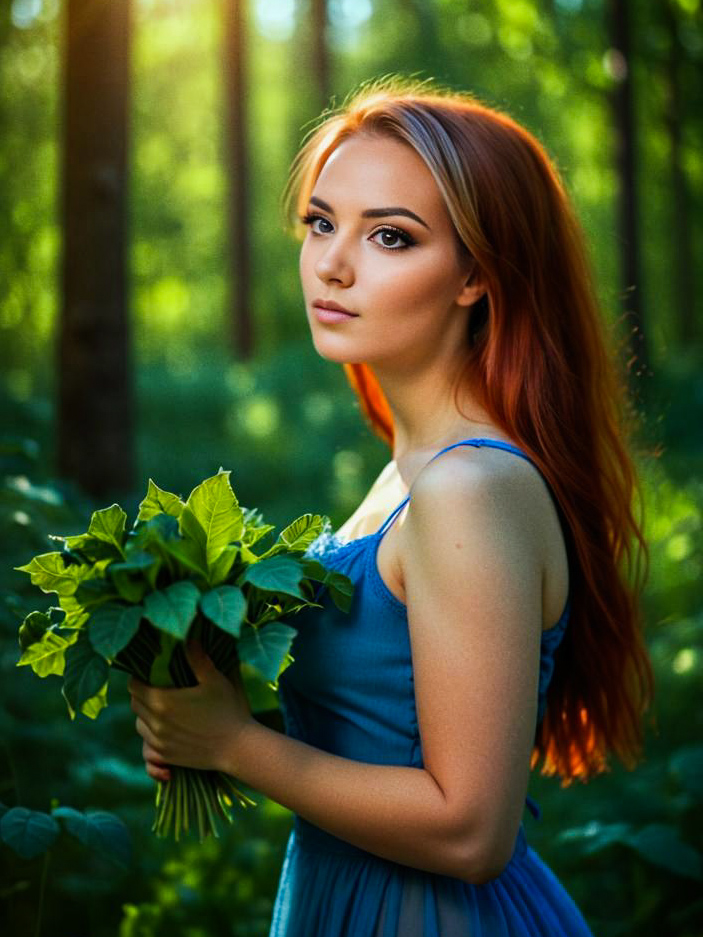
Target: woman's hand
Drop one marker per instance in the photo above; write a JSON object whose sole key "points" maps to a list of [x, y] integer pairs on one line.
{"points": [[193, 727]]}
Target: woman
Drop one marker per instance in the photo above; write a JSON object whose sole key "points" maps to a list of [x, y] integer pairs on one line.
{"points": [[492, 625]]}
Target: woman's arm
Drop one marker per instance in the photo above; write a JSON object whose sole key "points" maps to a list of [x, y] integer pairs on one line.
{"points": [[473, 580], [396, 812]]}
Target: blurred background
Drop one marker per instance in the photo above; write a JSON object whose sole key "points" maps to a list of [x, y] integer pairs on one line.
{"points": [[152, 325]]}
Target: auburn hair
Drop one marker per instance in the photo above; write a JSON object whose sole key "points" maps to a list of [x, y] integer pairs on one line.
{"points": [[537, 360]]}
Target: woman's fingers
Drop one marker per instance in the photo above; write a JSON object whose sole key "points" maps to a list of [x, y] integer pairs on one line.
{"points": [[155, 767]]}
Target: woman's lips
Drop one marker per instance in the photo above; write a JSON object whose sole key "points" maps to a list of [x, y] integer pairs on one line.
{"points": [[332, 315]]}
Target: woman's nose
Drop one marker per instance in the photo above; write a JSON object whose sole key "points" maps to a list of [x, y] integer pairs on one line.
{"points": [[334, 263]]}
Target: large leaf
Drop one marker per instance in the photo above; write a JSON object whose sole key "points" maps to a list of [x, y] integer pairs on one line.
{"points": [[85, 673], [112, 627], [276, 574], [341, 589], [158, 501], [87, 546], [173, 609], [298, 535], [661, 845], [226, 607], [99, 830], [687, 764], [154, 536], [133, 576], [189, 554], [221, 568], [28, 832], [266, 648], [212, 516], [51, 574], [47, 656], [108, 525]]}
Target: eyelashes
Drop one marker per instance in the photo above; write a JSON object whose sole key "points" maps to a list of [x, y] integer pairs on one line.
{"points": [[406, 239]]}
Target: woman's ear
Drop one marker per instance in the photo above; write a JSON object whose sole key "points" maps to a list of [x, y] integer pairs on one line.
{"points": [[473, 287]]}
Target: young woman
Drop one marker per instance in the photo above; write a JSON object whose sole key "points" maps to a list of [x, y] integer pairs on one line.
{"points": [[493, 624]]}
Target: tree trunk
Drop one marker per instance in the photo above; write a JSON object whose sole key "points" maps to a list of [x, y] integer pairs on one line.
{"points": [[237, 173], [624, 120], [682, 260], [320, 52], [95, 388]]}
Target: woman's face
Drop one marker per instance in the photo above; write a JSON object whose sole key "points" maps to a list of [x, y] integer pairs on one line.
{"points": [[398, 270]]}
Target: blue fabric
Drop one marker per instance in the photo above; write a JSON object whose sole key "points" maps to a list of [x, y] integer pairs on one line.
{"points": [[350, 691]]}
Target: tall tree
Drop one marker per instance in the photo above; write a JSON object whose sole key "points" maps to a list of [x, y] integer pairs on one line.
{"points": [[95, 395], [320, 48], [682, 259], [239, 230], [624, 121]]}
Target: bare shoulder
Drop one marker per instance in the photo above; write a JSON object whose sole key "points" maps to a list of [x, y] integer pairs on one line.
{"points": [[491, 505], [489, 479]]}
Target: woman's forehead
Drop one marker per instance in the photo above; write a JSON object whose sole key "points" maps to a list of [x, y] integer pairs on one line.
{"points": [[364, 169]]}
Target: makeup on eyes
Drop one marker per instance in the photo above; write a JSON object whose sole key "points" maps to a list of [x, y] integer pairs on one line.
{"points": [[407, 239]]}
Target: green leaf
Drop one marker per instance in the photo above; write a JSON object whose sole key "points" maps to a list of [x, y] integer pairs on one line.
{"points": [[276, 574], [93, 706], [189, 554], [50, 573], [255, 527], [160, 670], [99, 830], [93, 592], [687, 765], [33, 628], [135, 575], [313, 569], [341, 589], [661, 845], [265, 649], [85, 674], [76, 614], [596, 836], [112, 627], [89, 547], [298, 535], [108, 525], [173, 609], [222, 566], [47, 656], [226, 607], [212, 516], [28, 832], [157, 501]]}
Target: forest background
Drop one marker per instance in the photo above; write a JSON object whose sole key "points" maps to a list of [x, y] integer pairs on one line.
{"points": [[152, 325]]}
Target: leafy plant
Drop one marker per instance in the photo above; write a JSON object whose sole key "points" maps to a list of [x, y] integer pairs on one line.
{"points": [[129, 600]]}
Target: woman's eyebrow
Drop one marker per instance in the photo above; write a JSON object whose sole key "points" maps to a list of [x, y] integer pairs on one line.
{"points": [[373, 212]]}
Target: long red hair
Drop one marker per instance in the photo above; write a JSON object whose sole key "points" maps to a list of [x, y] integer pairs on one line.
{"points": [[537, 360]]}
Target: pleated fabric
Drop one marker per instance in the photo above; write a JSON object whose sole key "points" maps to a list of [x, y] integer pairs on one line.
{"points": [[350, 691]]}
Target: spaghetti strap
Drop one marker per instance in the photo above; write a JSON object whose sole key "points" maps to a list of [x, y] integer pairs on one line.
{"points": [[477, 442]]}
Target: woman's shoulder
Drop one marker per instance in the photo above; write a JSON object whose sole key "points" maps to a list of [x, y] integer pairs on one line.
{"points": [[478, 470]]}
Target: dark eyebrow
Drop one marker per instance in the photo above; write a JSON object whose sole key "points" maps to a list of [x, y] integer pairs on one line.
{"points": [[373, 212]]}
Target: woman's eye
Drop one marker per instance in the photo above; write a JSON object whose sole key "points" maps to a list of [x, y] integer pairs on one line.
{"points": [[392, 239], [394, 235]]}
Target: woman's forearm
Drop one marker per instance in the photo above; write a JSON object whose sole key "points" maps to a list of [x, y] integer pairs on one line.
{"points": [[398, 813]]}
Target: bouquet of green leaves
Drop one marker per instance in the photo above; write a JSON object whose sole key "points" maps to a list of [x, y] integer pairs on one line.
{"points": [[129, 600]]}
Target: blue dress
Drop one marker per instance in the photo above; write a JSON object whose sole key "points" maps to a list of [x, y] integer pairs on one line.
{"points": [[350, 691]]}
